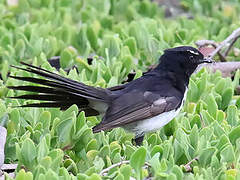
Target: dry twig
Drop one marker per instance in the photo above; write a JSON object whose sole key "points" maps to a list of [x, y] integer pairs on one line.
{"points": [[3, 135], [235, 35], [203, 43], [202, 121], [229, 41], [104, 171], [226, 68], [188, 165], [230, 46]]}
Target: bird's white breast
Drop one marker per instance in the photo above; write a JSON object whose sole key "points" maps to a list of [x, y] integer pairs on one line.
{"points": [[154, 123]]}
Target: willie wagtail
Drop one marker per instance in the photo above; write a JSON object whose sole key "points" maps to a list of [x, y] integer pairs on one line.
{"points": [[140, 106]]}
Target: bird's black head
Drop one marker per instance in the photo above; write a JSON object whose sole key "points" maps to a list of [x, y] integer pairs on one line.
{"points": [[182, 60]]}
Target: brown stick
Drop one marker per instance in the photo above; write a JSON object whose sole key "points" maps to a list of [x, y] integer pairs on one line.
{"points": [[235, 34], [188, 165], [202, 43], [225, 67], [232, 38], [230, 46], [104, 171], [3, 135]]}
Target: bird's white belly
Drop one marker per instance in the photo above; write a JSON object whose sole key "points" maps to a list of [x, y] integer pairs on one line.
{"points": [[152, 124]]}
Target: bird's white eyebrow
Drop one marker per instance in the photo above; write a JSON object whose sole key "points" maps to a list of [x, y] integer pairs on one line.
{"points": [[193, 52]]}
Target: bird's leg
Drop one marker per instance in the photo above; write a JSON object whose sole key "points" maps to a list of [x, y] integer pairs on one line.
{"points": [[138, 140]]}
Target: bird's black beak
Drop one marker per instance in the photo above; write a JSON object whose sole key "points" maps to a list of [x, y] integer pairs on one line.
{"points": [[206, 60]]}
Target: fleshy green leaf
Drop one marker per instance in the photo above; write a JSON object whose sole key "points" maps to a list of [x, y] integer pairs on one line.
{"points": [[137, 160], [227, 154], [226, 98], [29, 153], [206, 155], [234, 134], [232, 115], [112, 44], [22, 175], [211, 106]]}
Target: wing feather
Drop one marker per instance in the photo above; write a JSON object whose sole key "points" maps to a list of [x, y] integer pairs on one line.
{"points": [[143, 110]]}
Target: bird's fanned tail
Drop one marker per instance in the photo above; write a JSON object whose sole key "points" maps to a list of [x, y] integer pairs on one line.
{"points": [[58, 91]]}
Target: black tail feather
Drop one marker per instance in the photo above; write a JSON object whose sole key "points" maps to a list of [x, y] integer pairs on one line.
{"points": [[50, 75], [58, 86], [38, 89], [58, 91], [95, 93], [48, 104], [46, 97], [63, 106]]}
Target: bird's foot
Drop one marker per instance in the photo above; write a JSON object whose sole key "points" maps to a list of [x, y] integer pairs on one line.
{"points": [[137, 141]]}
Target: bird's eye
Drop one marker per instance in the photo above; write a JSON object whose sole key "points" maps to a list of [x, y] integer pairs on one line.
{"points": [[191, 58]]}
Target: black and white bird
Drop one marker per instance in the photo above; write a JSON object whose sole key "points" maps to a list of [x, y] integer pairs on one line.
{"points": [[140, 106]]}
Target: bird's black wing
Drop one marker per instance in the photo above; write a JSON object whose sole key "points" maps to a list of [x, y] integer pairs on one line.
{"points": [[135, 106]]}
